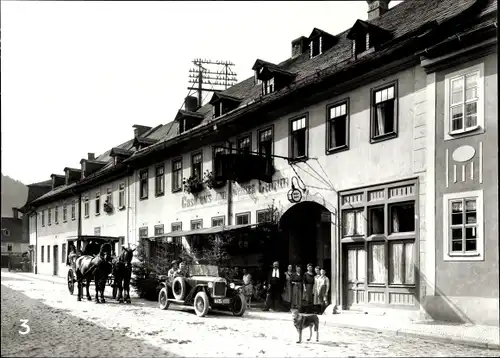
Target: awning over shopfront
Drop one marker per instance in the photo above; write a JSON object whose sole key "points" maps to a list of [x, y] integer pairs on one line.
{"points": [[203, 231]]}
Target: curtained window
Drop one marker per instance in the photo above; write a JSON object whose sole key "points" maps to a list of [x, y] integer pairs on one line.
{"points": [[384, 112]]}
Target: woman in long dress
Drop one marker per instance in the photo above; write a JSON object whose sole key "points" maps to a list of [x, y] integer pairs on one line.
{"points": [[297, 288], [287, 290], [308, 281], [323, 287], [316, 298]]}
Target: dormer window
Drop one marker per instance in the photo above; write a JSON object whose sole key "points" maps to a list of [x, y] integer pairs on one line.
{"points": [[272, 77], [361, 44], [256, 78], [366, 37], [320, 41], [316, 47], [187, 120], [223, 103], [268, 86]]}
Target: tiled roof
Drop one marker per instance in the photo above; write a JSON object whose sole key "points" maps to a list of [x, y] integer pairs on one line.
{"points": [[401, 20]]}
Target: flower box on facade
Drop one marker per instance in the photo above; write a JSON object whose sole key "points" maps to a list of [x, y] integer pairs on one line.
{"points": [[192, 185], [212, 182]]}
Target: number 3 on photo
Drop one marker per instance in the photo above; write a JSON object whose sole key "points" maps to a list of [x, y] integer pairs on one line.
{"points": [[24, 324]]}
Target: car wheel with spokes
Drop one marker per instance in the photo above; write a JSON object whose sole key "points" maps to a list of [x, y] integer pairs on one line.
{"points": [[201, 304], [239, 305], [163, 299]]}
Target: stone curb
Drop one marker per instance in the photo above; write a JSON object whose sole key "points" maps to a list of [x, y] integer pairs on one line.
{"points": [[407, 333]]}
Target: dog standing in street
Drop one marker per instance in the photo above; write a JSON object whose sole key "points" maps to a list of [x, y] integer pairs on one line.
{"points": [[301, 322]]}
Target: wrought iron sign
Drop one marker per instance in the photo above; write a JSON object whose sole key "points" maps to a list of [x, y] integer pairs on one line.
{"points": [[295, 194]]}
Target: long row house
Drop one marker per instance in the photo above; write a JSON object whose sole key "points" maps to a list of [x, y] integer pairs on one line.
{"points": [[378, 147]]}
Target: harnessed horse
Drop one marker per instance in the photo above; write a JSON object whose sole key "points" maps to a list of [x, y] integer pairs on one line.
{"points": [[122, 271], [94, 267]]}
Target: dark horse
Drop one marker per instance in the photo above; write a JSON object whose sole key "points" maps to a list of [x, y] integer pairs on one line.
{"points": [[122, 271], [97, 268]]}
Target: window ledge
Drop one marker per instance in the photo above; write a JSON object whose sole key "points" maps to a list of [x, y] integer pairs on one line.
{"points": [[402, 285], [337, 149], [464, 131], [73, 219], [383, 137], [464, 254], [373, 284], [65, 221], [121, 207], [159, 194], [298, 159], [176, 190], [97, 214], [376, 237], [143, 198], [463, 257], [401, 235], [86, 216]]}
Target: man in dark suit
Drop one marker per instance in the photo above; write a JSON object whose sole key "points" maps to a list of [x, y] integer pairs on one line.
{"points": [[275, 286]]}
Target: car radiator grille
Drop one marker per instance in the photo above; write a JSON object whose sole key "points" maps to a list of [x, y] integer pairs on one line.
{"points": [[219, 289]]}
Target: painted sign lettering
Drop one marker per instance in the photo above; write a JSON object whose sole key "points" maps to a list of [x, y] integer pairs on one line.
{"points": [[208, 197]]}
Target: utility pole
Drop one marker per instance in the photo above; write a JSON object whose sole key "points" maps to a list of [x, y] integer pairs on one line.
{"points": [[219, 77]]}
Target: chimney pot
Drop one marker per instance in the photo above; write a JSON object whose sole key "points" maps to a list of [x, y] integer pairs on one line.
{"points": [[191, 103], [91, 156], [377, 8]]}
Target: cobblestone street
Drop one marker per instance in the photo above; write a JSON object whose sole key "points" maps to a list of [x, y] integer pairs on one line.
{"points": [[61, 326]]}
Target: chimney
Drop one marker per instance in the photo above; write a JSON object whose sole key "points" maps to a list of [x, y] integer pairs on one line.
{"points": [[140, 130], [191, 104], [15, 213], [299, 46], [91, 156], [377, 8]]}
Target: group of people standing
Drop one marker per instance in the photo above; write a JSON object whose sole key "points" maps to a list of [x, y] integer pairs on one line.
{"points": [[307, 292]]}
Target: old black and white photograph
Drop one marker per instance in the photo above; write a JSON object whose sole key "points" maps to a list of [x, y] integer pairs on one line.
{"points": [[250, 179]]}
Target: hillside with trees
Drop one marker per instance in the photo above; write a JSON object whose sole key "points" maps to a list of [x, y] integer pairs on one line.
{"points": [[14, 195]]}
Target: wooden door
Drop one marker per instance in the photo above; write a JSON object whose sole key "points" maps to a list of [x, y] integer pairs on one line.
{"points": [[354, 275]]}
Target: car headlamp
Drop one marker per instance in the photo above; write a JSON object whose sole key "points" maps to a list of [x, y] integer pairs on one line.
{"points": [[231, 285], [210, 284]]}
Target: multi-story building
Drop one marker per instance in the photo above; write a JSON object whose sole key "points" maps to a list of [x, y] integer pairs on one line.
{"points": [[13, 241], [355, 139]]}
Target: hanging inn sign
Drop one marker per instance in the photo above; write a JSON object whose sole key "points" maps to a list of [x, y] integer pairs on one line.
{"points": [[296, 193]]}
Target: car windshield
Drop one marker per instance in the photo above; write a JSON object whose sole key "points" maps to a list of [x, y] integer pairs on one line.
{"points": [[204, 270]]}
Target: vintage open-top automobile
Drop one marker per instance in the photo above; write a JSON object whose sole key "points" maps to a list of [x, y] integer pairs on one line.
{"points": [[203, 289]]}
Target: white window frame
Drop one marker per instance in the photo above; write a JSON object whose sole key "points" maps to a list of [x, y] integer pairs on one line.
{"points": [[109, 195], [121, 194], [268, 86], [467, 256], [73, 210], [86, 206], [97, 202], [65, 212], [479, 127]]}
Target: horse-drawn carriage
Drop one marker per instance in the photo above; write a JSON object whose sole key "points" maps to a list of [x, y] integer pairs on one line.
{"points": [[89, 246], [19, 262]]}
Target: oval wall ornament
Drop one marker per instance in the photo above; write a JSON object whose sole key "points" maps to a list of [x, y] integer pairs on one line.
{"points": [[463, 153]]}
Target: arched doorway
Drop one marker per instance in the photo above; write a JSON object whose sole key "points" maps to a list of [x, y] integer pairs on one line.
{"points": [[306, 235]]}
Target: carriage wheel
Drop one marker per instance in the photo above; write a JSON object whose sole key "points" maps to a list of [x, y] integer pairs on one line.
{"points": [[115, 291], [71, 282]]}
